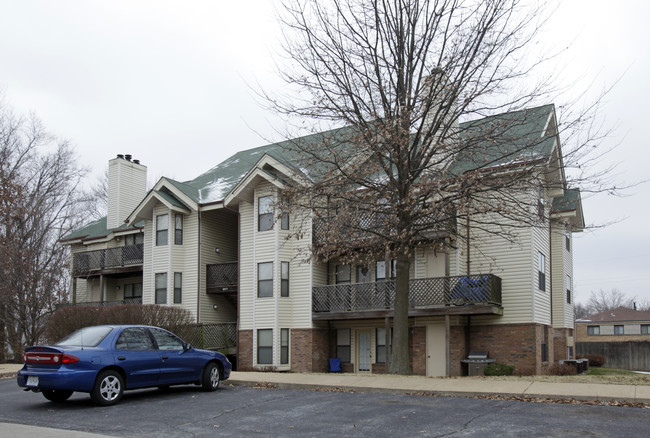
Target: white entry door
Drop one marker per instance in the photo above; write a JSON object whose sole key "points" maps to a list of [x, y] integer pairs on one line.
{"points": [[436, 351], [363, 353]]}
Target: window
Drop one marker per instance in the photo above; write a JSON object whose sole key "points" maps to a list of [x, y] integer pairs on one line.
{"points": [[284, 280], [134, 338], [133, 291], [567, 241], [284, 346], [265, 213], [541, 268], [133, 239], [161, 288], [166, 340], [343, 344], [619, 330], [265, 346], [342, 274], [645, 329], [567, 280], [540, 204], [380, 270], [284, 221], [593, 330], [162, 227], [178, 287], [380, 353], [178, 229], [265, 279], [363, 274]]}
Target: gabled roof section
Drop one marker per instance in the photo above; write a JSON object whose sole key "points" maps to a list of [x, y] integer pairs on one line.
{"points": [[569, 206], [217, 183], [620, 314], [513, 138], [167, 193], [97, 230]]}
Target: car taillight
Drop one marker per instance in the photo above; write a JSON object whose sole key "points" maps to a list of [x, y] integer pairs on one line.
{"points": [[68, 358]]}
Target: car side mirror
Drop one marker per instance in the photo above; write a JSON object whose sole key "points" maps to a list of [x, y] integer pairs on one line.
{"points": [[186, 346]]}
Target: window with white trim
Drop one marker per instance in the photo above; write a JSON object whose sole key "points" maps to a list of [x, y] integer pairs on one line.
{"points": [[541, 271], [161, 288], [162, 229], [265, 213], [265, 346], [343, 344], [265, 279], [284, 346]]}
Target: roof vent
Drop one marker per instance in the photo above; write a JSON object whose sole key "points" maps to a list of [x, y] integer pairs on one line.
{"points": [[128, 157], [120, 156]]}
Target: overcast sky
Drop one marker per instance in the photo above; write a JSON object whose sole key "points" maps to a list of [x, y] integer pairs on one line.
{"points": [[170, 82]]}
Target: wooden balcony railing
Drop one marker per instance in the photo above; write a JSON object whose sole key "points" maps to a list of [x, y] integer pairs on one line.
{"points": [[424, 292], [221, 277], [322, 227], [86, 262]]}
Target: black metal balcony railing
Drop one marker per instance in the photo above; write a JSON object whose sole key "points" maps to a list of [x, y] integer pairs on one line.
{"points": [[88, 261], [424, 292], [222, 277]]}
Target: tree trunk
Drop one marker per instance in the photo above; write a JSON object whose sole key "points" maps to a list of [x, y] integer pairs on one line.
{"points": [[399, 361]]}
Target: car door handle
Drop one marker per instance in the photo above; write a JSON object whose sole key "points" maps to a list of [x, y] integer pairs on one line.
{"points": [[121, 358]]}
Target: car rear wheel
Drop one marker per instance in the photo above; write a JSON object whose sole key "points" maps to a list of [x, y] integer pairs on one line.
{"points": [[210, 380], [56, 396], [108, 388]]}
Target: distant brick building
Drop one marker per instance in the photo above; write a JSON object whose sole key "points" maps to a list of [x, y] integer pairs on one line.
{"points": [[617, 325]]}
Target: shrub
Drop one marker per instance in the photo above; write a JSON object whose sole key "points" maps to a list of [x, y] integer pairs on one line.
{"points": [[499, 369], [595, 360], [524, 371], [68, 319], [562, 370]]}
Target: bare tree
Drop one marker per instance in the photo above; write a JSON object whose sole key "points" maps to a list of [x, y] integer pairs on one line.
{"points": [[39, 203], [399, 75], [601, 301]]}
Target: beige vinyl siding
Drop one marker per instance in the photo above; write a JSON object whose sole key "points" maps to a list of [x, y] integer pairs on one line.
{"points": [[510, 259], [218, 230], [247, 270], [542, 299], [147, 263], [127, 187], [185, 259], [160, 256], [562, 265]]}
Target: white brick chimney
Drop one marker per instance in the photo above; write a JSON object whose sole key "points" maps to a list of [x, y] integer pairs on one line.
{"points": [[127, 186]]}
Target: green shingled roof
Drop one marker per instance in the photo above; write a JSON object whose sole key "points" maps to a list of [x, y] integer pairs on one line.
{"points": [[505, 139], [97, 229], [569, 202]]}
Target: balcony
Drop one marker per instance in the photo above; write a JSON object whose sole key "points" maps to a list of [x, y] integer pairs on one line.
{"points": [[430, 227], [221, 278], [462, 295], [106, 261]]}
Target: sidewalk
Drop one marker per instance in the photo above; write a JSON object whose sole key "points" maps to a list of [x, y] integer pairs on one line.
{"points": [[458, 387]]}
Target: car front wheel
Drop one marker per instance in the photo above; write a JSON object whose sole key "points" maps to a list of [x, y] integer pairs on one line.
{"points": [[108, 388], [210, 379], [56, 396]]}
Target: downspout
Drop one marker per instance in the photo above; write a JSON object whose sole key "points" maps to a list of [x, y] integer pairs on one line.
{"points": [[198, 280], [468, 328]]}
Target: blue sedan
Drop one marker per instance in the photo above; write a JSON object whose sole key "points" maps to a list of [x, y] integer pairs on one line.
{"points": [[108, 359]]}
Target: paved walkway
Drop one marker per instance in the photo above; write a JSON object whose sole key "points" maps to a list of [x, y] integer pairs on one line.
{"points": [[462, 387]]}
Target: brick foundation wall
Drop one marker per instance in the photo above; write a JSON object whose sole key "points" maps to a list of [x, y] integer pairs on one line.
{"points": [[309, 350], [457, 350], [245, 350], [560, 344], [511, 344], [418, 350]]}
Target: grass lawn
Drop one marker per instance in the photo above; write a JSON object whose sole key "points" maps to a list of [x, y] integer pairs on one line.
{"points": [[594, 375]]}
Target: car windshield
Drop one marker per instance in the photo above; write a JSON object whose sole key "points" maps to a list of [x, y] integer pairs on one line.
{"points": [[85, 337]]}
